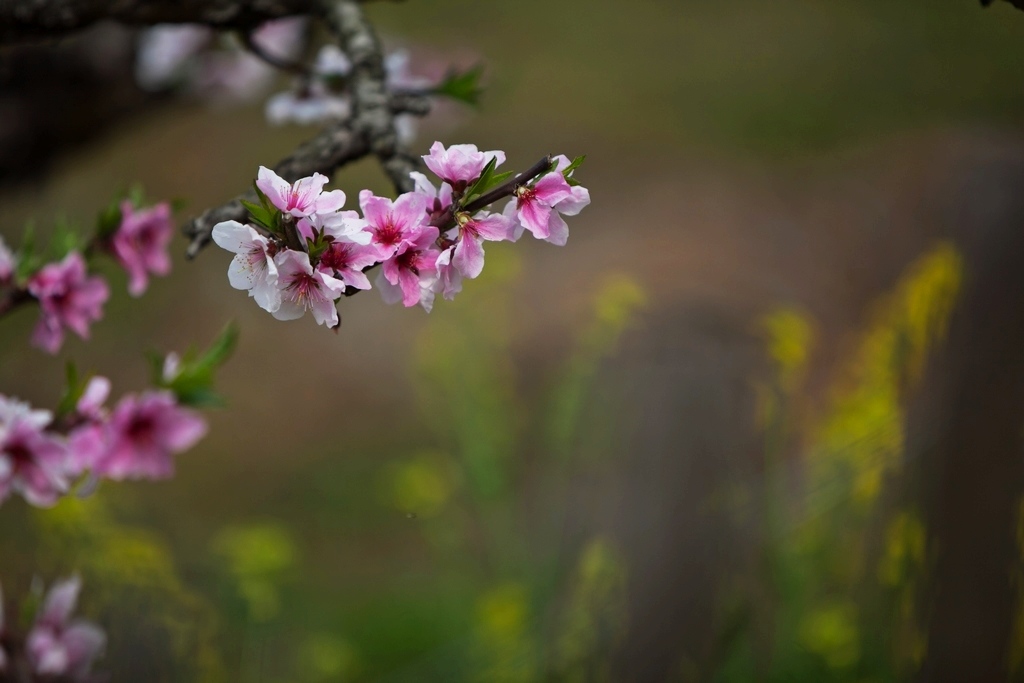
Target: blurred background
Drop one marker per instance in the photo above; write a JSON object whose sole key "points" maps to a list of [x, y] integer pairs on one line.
{"points": [[761, 419]]}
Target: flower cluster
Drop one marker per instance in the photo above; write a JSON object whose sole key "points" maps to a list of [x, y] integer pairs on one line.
{"points": [[301, 252], [41, 456], [321, 95], [57, 647], [69, 297], [209, 64]]}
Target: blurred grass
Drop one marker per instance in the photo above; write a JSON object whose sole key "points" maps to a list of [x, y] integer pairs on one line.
{"points": [[386, 513]]}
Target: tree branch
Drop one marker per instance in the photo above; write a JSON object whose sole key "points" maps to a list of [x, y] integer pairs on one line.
{"points": [[371, 111], [332, 148], [370, 130], [25, 20]]}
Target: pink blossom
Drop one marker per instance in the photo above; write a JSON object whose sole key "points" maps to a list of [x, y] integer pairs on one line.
{"points": [[303, 289], [67, 298], [438, 199], [449, 279], [87, 441], [392, 224], [473, 230], [8, 262], [143, 433], [533, 208], [460, 165], [32, 462], [301, 198], [253, 268], [346, 262], [140, 243], [58, 645], [412, 270]]}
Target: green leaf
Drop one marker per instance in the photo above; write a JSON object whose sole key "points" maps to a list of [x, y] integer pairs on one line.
{"points": [[498, 179], [29, 261], [178, 204], [136, 196], [64, 241], [108, 220], [576, 163], [193, 383], [259, 215], [264, 200], [221, 348], [481, 182], [72, 392], [462, 86]]}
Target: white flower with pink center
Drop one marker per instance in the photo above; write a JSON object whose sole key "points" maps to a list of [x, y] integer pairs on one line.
{"points": [[468, 258], [539, 207], [253, 268], [341, 226], [301, 198], [306, 290]]}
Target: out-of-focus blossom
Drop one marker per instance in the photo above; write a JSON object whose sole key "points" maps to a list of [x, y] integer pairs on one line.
{"points": [[399, 76], [190, 54], [67, 298], [141, 241], [413, 270], [304, 289], [8, 263], [144, 432], [253, 268], [393, 223], [302, 198], [172, 366], [58, 645], [281, 37], [460, 165], [449, 279], [312, 103], [32, 462], [346, 262], [438, 199], [468, 258], [87, 441], [164, 52], [331, 61]]}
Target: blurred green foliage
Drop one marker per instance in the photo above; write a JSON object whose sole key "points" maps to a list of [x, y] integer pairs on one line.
{"points": [[841, 567]]}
